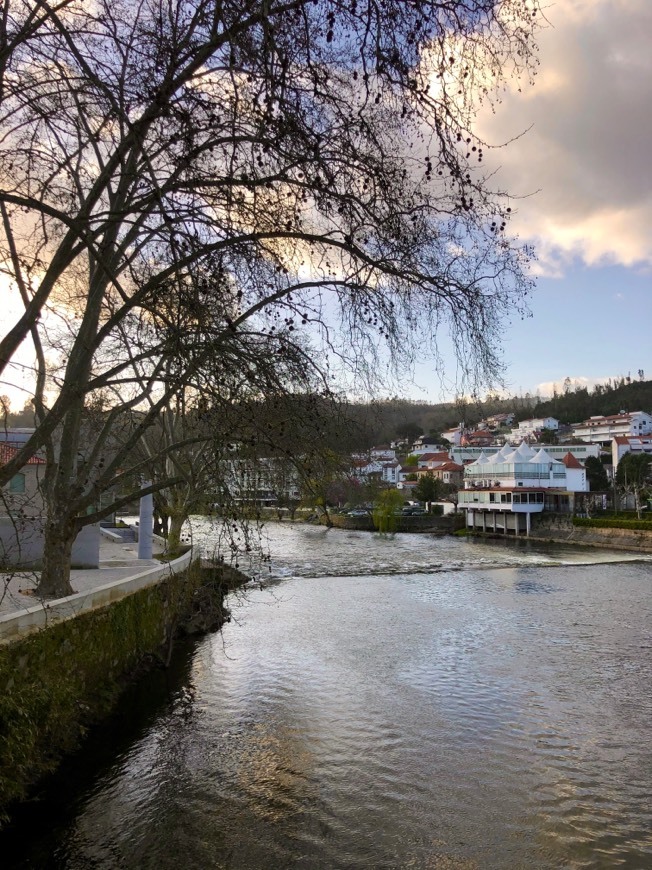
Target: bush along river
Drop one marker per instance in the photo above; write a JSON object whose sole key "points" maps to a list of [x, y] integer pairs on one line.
{"points": [[380, 702]]}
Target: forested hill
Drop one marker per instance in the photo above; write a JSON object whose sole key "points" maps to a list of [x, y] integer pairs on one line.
{"points": [[387, 419], [573, 406]]}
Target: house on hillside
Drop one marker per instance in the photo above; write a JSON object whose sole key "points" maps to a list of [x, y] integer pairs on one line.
{"points": [[425, 444], [383, 453], [366, 468], [601, 430], [390, 473], [450, 473], [529, 430], [500, 421], [432, 460], [454, 435], [622, 444], [478, 438]]}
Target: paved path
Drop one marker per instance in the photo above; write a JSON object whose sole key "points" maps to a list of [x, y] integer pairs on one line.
{"points": [[117, 561]]}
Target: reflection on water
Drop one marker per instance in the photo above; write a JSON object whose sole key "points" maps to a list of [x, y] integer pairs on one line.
{"points": [[401, 702]]}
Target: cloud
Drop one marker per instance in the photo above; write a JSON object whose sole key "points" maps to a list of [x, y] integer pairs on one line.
{"points": [[548, 388], [583, 167]]}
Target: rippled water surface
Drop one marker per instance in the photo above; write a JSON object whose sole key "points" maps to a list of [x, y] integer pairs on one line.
{"points": [[388, 703]]}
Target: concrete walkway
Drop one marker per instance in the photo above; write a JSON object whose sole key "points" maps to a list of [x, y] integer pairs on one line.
{"points": [[118, 560]]}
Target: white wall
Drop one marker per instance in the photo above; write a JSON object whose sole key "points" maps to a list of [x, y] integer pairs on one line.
{"points": [[21, 544]]}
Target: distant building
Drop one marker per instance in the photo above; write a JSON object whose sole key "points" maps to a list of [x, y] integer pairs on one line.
{"points": [[502, 491], [557, 451], [576, 480], [22, 494], [432, 460], [622, 444], [601, 430], [479, 438], [528, 430], [425, 444], [500, 421], [450, 473], [390, 472], [454, 436], [383, 453]]}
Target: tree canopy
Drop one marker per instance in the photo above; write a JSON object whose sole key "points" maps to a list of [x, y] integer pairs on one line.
{"points": [[193, 191]]}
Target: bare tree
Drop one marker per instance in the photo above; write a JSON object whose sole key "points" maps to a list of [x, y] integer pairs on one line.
{"points": [[268, 166]]}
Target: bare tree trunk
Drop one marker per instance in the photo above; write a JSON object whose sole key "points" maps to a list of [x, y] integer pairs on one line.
{"points": [[177, 520], [60, 534]]}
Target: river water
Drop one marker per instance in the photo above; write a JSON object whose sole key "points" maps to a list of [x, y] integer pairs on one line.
{"points": [[400, 702]]}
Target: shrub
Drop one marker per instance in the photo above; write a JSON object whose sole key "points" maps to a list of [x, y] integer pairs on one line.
{"points": [[599, 523]]}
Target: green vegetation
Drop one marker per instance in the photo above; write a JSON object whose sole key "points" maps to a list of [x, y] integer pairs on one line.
{"points": [[429, 488], [386, 507], [575, 405], [633, 477], [57, 682], [613, 523], [596, 474]]}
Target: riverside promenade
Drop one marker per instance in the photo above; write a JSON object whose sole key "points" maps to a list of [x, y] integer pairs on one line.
{"points": [[120, 573]]}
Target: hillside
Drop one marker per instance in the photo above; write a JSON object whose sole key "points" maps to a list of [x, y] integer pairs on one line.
{"points": [[580, 404]]}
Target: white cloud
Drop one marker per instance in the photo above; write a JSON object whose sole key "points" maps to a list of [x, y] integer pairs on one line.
{"points": [[583, 169], [548, 388]]}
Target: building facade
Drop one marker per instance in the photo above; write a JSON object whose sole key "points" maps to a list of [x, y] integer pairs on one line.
{"points": [[602, 430], [502, 491]]}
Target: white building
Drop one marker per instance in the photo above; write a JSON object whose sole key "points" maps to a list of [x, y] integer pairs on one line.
{"points": [[622, 444], [601, 430], [528, 429], [383, 453], [454, 436], [433, 460], [502, 491], [390, 473], [263, 481], [576, 480], [557, 451], [426, 444]]}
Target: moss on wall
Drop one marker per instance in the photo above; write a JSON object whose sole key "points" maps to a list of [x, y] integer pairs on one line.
{"points": [[55, 683]]}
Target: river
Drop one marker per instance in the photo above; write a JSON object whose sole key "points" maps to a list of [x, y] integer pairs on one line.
{"points": [[400, 702]]}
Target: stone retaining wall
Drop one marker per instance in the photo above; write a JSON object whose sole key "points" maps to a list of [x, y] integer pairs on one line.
{"points": [[633, 540], [58, 680]]}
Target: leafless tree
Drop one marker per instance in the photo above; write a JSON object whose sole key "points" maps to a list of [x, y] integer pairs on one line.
{"points": [[270, 166]]}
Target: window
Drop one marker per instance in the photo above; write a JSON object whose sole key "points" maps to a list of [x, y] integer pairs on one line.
{"points": [[17, 483]]}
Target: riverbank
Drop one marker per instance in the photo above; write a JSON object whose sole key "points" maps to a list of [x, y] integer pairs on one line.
{"points": [[62, 678], [561, 531], [631, 540]]}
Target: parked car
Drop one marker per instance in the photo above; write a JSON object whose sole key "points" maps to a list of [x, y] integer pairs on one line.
{"points": [[357, 513]]}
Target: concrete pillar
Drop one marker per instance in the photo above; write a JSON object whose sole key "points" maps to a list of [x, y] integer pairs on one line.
{"points": [[146, 525], [516, 523], [527, 524], [484, 521]]}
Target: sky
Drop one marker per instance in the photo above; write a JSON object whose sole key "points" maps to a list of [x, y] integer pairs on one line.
{"points": [[582, 179], [583, 174]]}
